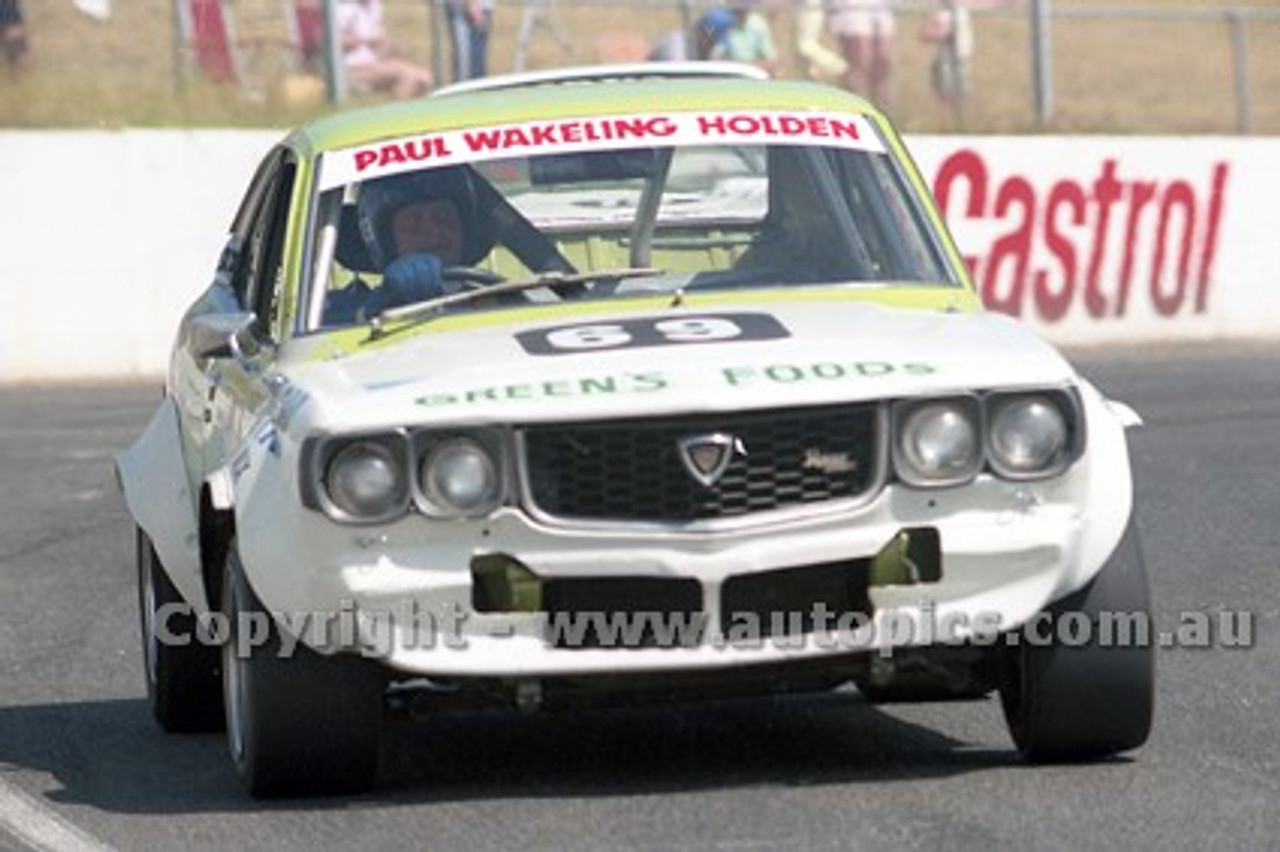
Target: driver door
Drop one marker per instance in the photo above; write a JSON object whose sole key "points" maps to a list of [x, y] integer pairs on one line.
{"points": [[229, 337]]}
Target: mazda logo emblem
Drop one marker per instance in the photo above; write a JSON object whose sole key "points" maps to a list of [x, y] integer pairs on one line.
{"points": [[707, 457]]}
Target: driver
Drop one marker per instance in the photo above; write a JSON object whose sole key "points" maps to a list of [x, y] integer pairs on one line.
{"points": [[413, 226]]}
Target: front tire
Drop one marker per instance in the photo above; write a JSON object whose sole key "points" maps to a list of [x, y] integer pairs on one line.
{"points": [[1068, 702], [301, 724], [184, 686]]}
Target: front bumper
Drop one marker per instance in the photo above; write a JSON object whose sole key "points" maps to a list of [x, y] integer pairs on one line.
{"points": [[406, 592]]}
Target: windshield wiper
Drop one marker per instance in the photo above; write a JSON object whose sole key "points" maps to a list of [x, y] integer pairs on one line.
{"points": [[423, 311]]}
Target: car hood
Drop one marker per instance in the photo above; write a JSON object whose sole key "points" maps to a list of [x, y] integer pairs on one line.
{"points": [[539, 366]]}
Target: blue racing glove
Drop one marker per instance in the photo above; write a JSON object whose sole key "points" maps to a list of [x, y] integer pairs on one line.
{"points": [[411, 278]]}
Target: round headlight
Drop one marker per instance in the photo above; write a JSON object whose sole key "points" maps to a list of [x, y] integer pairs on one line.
{"points": [[938, 443], [365, 480], [1028, 436], [460, 477]]}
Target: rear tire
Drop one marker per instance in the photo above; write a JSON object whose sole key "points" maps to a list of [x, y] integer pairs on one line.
{"points": [[1068, 702], [303, 724], [184, 686]]}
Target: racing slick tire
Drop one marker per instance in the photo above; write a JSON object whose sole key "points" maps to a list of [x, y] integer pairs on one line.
{"points": [[1093, 698], [297, 724], [184, 687]]}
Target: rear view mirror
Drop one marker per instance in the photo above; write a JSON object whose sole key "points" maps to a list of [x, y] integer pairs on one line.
{"points": [[217, 336]]}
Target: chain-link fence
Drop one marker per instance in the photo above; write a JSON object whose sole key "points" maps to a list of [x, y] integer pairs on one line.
{"points": [[1149, 66]]}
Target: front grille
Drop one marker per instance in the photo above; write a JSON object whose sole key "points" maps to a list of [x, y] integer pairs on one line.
{"points": [[632, 470]]}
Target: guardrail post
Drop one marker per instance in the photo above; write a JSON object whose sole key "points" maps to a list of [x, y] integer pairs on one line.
{"points": [[1042, 60], [439, 20], [335, 80], [1240, 72], [179, 33]]}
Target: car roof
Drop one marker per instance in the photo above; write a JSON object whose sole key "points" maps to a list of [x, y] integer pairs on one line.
{"points": [[605, 73], [512, 100]]}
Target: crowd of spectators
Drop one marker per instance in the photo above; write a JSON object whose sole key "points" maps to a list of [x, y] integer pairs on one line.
{"points": [[373, 61], [850, 43]]}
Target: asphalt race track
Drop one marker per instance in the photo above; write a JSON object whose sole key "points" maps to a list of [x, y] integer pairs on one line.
{"points": [[82, 766]]}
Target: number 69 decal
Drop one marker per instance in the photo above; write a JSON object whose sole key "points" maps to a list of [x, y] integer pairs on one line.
{"points": [[650, 331]]}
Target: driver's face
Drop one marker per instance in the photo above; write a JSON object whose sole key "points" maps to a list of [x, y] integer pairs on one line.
{"points": [[432, 226]]}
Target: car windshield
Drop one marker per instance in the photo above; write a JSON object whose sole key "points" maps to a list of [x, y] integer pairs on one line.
{"points": [[611, 219]]}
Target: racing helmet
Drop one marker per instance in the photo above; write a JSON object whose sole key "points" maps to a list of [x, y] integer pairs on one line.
{"points": [[382, 197]]}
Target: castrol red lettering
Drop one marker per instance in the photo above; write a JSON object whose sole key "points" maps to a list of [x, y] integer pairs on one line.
{"points": [[1115, 243], [598, 133]]}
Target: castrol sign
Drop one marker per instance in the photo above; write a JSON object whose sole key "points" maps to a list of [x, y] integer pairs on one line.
{"points": [[1091, 238]]}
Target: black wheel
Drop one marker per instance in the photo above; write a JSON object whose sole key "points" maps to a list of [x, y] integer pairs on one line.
{"points": [[183, 683], [1076, 700], [301, 724]]}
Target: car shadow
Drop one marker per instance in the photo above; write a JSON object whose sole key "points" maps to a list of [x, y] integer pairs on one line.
{"points": [[791, 741], [111, 755]]}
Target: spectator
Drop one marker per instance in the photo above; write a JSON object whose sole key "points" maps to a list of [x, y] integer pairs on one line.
{"points": [[470, 22], [865, 31], [308, 35], [13, 35], [540, 14], [950, 30], [749, 39], [820, 63], [704, 36], [372, 62]]}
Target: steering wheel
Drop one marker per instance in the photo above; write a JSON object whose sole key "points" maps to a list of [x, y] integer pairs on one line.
{"points": [[470, 277]]}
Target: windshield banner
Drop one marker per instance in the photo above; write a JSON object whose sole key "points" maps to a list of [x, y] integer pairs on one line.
{"points": [[601, 133]]}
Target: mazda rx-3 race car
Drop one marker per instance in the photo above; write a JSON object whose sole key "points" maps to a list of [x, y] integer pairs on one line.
{"points": [[701, 402]]}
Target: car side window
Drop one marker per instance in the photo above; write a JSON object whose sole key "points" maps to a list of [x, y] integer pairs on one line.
{"points": [[234, 265], [265, 251], [252, 263]]}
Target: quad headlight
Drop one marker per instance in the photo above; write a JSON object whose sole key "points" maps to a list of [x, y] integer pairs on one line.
{"points": [[459, 477], [1028, 435], [1014, 435], [365, 479], [378, 478], [938, 441]]}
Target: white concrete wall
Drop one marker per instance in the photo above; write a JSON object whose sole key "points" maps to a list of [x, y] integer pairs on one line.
{"points": [[109, 235]]}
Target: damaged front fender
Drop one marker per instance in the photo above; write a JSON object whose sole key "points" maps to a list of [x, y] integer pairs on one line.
{"points": [[152, 475]]}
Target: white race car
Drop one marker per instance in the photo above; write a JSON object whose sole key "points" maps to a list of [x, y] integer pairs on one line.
{"points": [[684, 392]]}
